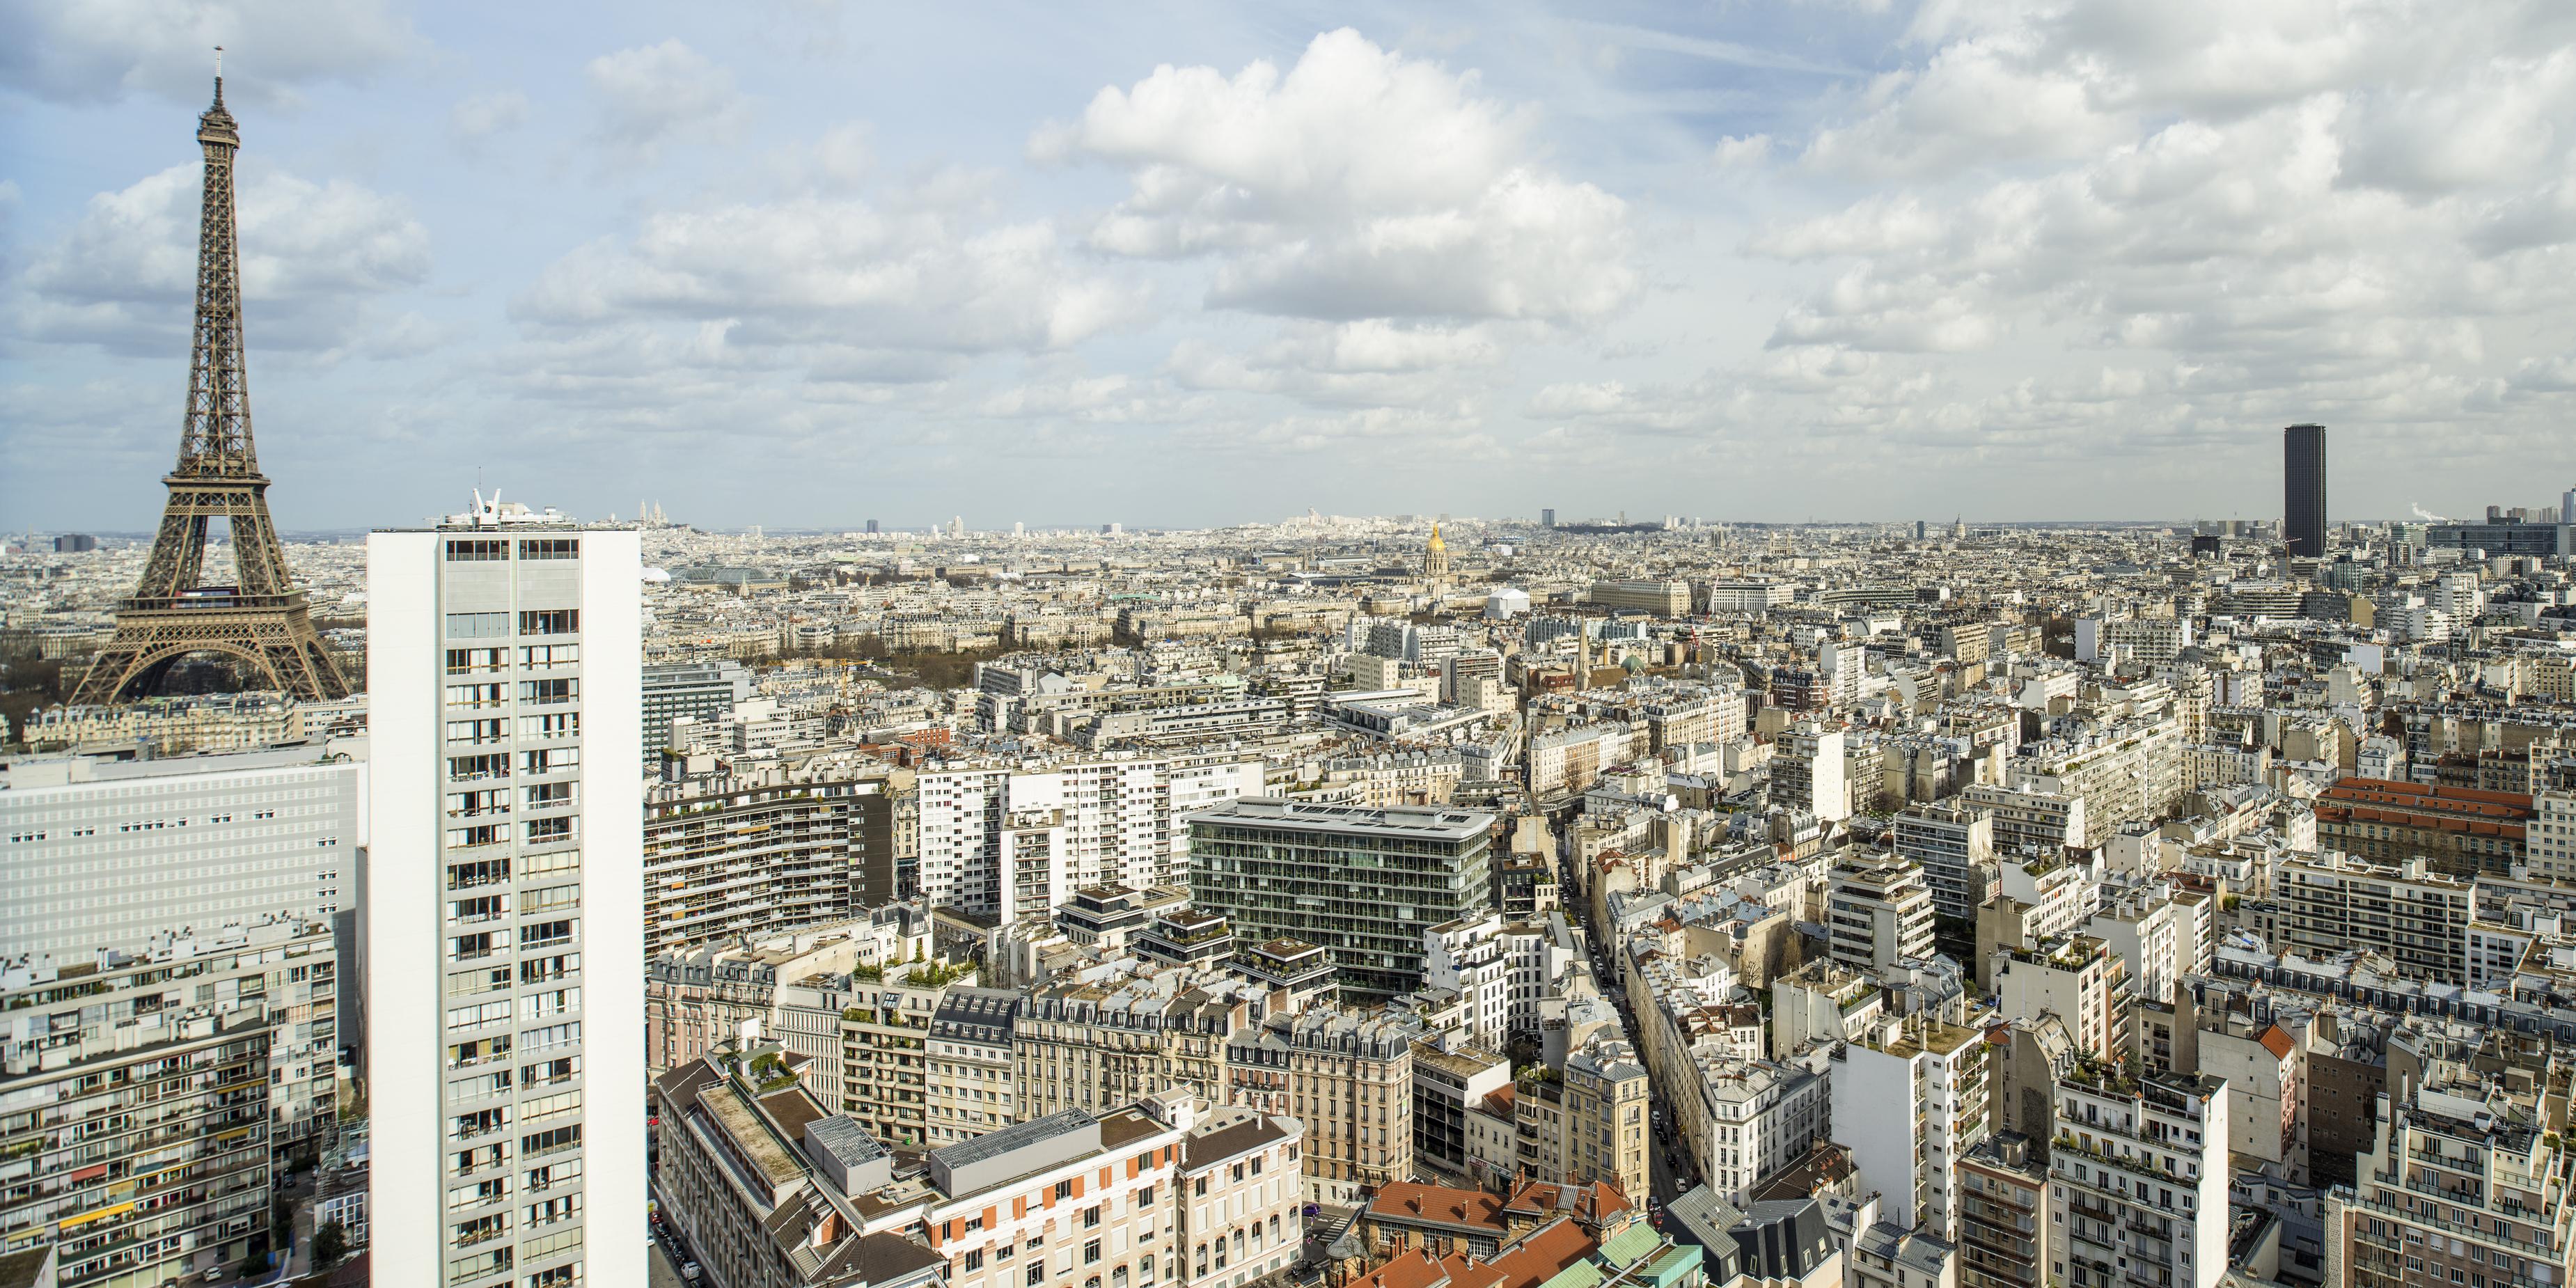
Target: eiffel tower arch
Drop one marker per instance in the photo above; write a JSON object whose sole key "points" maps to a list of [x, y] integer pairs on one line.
{"points": [[260, 620]]}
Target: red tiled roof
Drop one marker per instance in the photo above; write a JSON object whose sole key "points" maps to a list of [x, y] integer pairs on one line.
{"points": [[1538, 1257], [1411, 1201], [1411, 1268]]}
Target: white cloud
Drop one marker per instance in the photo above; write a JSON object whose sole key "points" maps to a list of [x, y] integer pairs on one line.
{"points": [[1737, 152], [816, 271], [478, 117], [653, 96], [313, 256], [86, 51], [1358, 184]]}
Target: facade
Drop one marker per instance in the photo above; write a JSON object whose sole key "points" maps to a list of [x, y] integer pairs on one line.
{"points": [[1084, 1046], [112, 854], [1167, 1190], [2419, 918], [733, 855], [2552, 836], [2029, 822], [1449, 1079], [1807, 773], [1910, 1100], [1761, 1117], [2004, 1237], [2075, 979], [2303, 491], [1003, 842], [148, 1100], [970, 1064], [504, 661], [1954, 844], [2130, 772], [1348, 1076], [767, 1184], [1659, 598], [1878, 914], [2461, 830], [1606, 1119], [2501, 1176], [2138, 1176], [1362, 884], [691, 690]]}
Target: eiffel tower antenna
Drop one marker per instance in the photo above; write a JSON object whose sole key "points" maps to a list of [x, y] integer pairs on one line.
{"points": [[261, 620]]}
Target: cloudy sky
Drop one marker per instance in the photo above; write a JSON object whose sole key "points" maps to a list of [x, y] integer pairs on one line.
{"points": [[804, 263]]}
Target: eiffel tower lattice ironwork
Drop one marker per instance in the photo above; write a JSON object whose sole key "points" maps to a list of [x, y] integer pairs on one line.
{"points": [[260, 620]]}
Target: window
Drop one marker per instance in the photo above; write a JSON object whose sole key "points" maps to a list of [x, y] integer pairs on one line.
{"points": [[1091, 1216], [477, 626], [1091, 1253], [1064, 1189], [974, 1259], [545, 692], [1037, 1274], [549, 621], [551, 548], [477, 551]]}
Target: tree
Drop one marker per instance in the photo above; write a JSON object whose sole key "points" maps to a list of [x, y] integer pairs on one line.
{"points": [[330, 1243]]}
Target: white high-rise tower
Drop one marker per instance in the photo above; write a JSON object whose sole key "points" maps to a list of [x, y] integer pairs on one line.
{"points": [[504, 903]]}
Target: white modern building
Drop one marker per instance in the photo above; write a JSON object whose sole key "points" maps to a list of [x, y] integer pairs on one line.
{"points": [[104, 854], [2138, 1178], [504, 904], [1110, 821], [1807, 773], [1878, 914], [1910, 1099]]}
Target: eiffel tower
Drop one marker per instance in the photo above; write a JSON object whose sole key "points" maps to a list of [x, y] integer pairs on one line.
{"points": [[260, 620]]}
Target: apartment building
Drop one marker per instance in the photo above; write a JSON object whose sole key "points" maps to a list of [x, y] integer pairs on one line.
{"points": [[1566, 762], [1606, 1123], [730, 855], [2463, 1181], [1807, 773], [698, 690], [2551, 837], [971, 1069], [103, 854], [1954, 845], [148, 1100], [1909, 1101], [2138, 1176], [1363, 884], [1658, 598], [1167, 1190], [503, 665], [1079, 1044], [2127, 772], [2461, 831], [1001, 841], [2029, 822], [2074, 978], [1878, 913], [2408, 910], [1451, 1079], [767, 1184], [2004, 1236], [1348, 1076], [1755, 1120]]}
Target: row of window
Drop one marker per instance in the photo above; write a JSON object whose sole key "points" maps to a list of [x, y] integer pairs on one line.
{"points": [[491, 550], [541, 621]]}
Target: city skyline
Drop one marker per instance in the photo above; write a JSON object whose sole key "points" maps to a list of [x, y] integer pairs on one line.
{"points": [[1963, 263]]}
